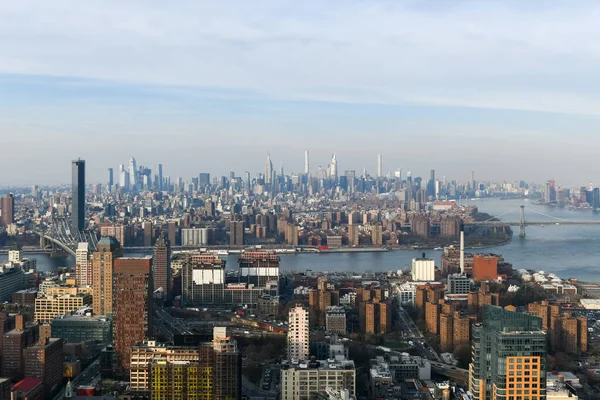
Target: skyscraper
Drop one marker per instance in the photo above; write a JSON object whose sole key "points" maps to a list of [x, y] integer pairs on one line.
{"points": [[268, 170], [110, 179], [431, 184], [298, 334], [83, 265], [160, 178], [132, 173], [333, 168], [509, 356], [7, 210], [161, 265], [379, 166], [77, 196], [236, 233], [132, 307], [107, 250], [306, 165]]}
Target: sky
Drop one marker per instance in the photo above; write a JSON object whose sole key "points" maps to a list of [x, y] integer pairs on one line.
{"points": [[508, 89]]}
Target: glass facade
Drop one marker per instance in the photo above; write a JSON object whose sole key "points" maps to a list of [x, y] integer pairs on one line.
{"points": [[509, 355]]}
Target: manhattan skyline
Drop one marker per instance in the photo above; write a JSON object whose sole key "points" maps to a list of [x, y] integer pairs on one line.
{"points": [[504, 88]]}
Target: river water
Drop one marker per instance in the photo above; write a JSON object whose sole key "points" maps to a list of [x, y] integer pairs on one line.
{"points": [[568, 251]]}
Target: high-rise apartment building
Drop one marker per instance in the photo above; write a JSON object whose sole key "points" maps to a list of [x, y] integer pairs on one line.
{"points": [[77, 196], [509, 356], [207, 371], [107, 250], [14, 343], [161, 266], [83, 265], [45, 361], [7, 210], [236, 233], [132, 306], [298, 333], [335, 320], [377, 235], [148, 233]]}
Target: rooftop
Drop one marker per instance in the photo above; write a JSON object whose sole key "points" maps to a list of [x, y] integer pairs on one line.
{"points": [[27, 384]]}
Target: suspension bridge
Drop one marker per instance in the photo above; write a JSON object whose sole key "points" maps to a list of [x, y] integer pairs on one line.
{"points": [[60, 235], [522, 222]]}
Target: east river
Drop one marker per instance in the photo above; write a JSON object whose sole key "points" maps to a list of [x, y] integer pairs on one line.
{"points": [[567, 250]]}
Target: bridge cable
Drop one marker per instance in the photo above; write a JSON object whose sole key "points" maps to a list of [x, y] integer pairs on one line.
{"points": [[498, 216], [546, 215]]}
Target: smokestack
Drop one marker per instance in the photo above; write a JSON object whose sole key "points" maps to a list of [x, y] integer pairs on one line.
{"points": [[462, 248]]}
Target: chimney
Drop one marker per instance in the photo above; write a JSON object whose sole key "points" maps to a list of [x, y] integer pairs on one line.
{"points": [[462, 248], [19, 322]]}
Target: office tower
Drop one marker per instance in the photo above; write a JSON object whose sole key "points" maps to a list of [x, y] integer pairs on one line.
{"points": [[236, 233], [298, 334], [83, 265], [247, 182], [77, 196], [45, 361], [132, 306], [161, 266], [351, 180], [160, 178], [204, 179], [509, 356], [7, 210], [333, 168], [110, 178], [306, 164], [379, 166], [148, 233], [132, 173], [268, 171], [107, 250]]}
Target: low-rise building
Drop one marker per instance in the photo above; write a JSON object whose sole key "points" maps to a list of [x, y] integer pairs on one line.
{"points": [[49, 307], [301, 381], [82, 328], [406, 366]]}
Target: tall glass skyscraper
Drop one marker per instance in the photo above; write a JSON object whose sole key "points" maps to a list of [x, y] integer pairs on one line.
{"points": [[77, 196]]}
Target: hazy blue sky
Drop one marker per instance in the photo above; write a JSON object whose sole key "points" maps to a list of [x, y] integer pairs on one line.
{"points": [[508, 88]]}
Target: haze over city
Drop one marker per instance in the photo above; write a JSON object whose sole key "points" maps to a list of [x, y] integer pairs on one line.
{"points": [[504, 88]]}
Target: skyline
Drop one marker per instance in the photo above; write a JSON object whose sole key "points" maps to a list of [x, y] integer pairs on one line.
{"points": [[427, 87], [112, 173]]}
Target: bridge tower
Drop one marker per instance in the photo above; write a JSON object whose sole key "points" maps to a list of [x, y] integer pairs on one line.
{"points": [[522, 223]]}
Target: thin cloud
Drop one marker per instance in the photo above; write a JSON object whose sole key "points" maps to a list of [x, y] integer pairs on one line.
{"points": [[389, 52]]}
